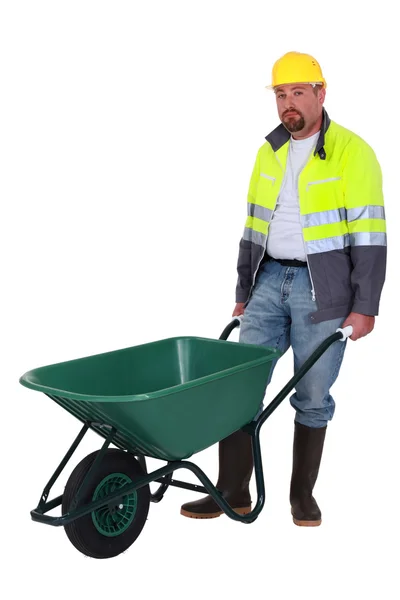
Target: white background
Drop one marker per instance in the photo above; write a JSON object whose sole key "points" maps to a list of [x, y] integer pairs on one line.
{"points": [[128, 135]]}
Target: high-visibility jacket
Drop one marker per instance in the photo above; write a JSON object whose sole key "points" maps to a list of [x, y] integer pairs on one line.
{"points": [[342, 216]]}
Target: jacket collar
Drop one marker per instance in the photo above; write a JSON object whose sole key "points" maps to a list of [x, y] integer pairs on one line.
{"points": [[279, 136]]}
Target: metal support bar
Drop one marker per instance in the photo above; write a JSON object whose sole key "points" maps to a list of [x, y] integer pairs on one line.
{"points": [[156, 476], [159, 493], [93, 468], [188, 486], [57, 472], [164, 482], [48, 506]]}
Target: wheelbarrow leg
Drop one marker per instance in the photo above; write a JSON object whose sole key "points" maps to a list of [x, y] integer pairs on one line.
{"points": [[232, 483], [164, 482]]}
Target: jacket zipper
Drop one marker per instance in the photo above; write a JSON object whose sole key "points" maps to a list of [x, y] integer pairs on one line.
{"points": [[308, 264], [304, 241], [309, 271]]}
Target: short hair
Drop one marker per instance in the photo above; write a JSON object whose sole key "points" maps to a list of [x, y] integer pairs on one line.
{"points": [[316, 87]]}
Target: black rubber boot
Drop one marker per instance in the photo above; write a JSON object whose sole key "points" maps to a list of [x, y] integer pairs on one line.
{"points": [[235, 470], [308, 444]]}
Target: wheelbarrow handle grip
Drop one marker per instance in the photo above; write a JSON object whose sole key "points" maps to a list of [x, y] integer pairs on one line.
{"points": [[346, 332], [235, 322], [239, 319]]}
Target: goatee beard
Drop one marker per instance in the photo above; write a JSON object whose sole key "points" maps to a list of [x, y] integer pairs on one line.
{"points": [[294, 124]]}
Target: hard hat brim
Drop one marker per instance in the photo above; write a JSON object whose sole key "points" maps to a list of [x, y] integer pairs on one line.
{"points": [[272, 86]]}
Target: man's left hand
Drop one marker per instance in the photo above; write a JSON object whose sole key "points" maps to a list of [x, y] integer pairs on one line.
{"points": [[362, 325]]}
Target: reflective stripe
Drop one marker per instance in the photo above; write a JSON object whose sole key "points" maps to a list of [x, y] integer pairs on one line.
{"points": [[339, 242], [268, 177], [254, 236], [325, 217], [320, 232], [257, 224], [336, 215], [260, 212], [366, 238], [326, 245], [322, 181], [365, 212]]}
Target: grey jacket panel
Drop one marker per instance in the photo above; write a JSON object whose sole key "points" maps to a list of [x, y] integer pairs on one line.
{"points": [[367, 277], [331, 273], [350, 279], [347, 280], [250, 255], [245, 271]]}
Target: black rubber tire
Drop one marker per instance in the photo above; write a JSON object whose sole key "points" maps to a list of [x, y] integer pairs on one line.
{"points": [[82, 532]]}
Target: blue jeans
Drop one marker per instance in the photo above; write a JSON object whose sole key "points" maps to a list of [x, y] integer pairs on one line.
{"points": [[277, 316]]}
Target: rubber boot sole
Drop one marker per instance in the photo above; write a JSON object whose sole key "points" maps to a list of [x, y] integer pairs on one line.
{"points": [[192, 515], [301, 523]]}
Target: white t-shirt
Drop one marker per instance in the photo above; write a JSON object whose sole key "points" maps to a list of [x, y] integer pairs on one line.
{"points": [[285, 236]]}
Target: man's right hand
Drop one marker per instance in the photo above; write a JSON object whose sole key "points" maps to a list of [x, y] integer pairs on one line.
{"points": [[239, 309]]}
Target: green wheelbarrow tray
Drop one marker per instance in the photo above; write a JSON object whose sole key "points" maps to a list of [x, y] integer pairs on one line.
{"points": [[165, 400]]}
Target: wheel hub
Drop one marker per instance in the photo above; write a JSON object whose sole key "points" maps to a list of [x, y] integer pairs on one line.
{"points": [[114, 518]]}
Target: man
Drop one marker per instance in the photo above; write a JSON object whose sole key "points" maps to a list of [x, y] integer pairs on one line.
{"points": [[312, 258]]}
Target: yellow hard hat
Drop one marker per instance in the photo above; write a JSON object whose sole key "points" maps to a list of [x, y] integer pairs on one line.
{"points": [[296, 67]]}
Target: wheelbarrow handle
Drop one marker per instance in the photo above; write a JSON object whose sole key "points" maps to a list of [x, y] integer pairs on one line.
{"points": [[305, 367], [346, 332], [236, 322]]}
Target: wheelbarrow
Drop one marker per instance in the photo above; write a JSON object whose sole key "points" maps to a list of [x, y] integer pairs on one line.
{"points": [[166, 400]]}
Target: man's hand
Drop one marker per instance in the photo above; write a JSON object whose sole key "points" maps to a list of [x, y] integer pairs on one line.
{"points": [[362, 325], [239, 309]]}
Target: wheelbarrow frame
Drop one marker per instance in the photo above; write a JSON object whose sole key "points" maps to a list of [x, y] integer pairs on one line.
{"points": [[164, 475]]}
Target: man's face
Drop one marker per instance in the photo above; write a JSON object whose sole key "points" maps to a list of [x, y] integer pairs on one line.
{"points": [[299, 106]]}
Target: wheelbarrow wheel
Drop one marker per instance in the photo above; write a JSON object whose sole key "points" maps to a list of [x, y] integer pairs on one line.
{"points": [[111, 529]]}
